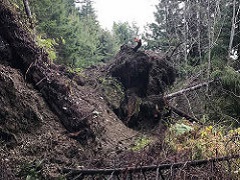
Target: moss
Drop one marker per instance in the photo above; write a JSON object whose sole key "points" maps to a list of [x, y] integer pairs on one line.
{"points": [[141, 143]]}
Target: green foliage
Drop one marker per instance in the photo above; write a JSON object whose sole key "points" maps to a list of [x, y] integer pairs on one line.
{"points": [[32, 170], [227, 102], [187, 22], [72, 34], [166, 29], [141, 143], [187, 70], [231, 80], [124, 32], [204, 141], [48, 45], [108, 45], [76, 70], [180, 129]]}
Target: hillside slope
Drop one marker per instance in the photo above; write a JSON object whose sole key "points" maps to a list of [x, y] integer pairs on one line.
{"points": [[49, 113]]}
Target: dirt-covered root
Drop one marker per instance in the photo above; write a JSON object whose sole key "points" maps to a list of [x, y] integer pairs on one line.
{"points": [[145, 76]]}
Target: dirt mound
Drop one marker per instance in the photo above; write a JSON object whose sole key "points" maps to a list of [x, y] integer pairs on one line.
{"points": [[21, 109], [144, 76], [29, 131]]}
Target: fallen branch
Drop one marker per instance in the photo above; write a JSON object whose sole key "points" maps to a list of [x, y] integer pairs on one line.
{"points": [[118, 171], [182, 91], [183, 114]]}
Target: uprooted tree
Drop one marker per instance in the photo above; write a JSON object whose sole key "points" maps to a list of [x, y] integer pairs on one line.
{"points": [[144, 76], [76, 105]]}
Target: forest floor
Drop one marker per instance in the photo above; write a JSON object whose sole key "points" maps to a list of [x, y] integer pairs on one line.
{"points": [[36, 144], [33, 138]]}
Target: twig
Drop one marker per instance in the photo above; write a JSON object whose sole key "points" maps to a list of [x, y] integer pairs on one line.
{"points": [[160, 172], [40, 81], [77, 177], [183, 114], [157, 174], [111, 176], [189, 105], [28, 70]]}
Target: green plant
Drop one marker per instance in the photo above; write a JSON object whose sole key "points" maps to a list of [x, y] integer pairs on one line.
{"points": [[204, 141], [48, 44], [141, 143], [31, 170], [226, 99]]}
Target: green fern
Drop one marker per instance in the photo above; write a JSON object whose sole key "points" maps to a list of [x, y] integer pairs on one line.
{"points": [[48, 45]]}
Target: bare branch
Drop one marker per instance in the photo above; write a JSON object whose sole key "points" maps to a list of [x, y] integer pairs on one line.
{"points": [[182, 91]]}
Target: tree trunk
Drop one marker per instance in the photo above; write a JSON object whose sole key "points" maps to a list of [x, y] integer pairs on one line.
{"points": [[232, 30], [27, 9]]}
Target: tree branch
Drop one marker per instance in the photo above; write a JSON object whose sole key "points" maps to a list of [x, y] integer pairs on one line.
{"points": [[182, 91]]}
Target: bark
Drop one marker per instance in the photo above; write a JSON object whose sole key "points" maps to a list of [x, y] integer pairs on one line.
{"points": [[209, 44], [183, 114], [199, 31]]}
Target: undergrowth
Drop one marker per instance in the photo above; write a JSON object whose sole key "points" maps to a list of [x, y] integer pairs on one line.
{"points": [[203, 142]]}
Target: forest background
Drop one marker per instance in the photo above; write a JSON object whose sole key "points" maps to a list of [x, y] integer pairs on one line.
{"points": [[201, 37]]}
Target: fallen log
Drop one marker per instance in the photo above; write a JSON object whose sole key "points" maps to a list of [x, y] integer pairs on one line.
{"points": [[55, 86], [118, 171], [183, 114]]}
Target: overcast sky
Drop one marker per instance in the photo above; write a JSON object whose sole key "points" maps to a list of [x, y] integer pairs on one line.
{"points": [[139, 11]]}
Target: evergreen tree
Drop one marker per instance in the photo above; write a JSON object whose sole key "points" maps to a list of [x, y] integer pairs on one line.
{"points": [[108, 45], [124, 32], [74, 32], [166, 31]]}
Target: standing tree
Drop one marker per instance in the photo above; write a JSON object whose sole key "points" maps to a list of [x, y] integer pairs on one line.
{"points": [[124, 32], [73, 31], [168, 29]]}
